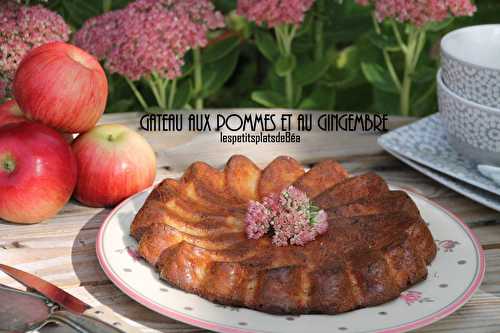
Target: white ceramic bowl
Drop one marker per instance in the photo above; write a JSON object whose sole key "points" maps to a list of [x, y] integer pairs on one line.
{"points": [[473, 129], [470, 60]]}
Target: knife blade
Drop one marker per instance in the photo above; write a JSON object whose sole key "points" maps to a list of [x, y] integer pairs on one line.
{"points": [[84, 315]]}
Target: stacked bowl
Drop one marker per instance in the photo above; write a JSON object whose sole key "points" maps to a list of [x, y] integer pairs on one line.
{"points": [[469, 92]]}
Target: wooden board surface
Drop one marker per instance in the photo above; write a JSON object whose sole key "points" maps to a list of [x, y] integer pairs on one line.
{"points": [[62, 250]]}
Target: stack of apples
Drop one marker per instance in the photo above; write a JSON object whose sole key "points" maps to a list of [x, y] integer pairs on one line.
{"points": [[60, 91]]}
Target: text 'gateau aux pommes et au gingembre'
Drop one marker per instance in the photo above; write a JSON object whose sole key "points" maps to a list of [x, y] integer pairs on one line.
{"points": [[264, 122]]}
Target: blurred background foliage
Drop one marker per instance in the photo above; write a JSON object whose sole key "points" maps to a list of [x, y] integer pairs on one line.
{"points": [[342, 70]]}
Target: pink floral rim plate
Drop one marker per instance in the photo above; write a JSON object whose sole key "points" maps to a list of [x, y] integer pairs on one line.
{"points": [[454, 276]]}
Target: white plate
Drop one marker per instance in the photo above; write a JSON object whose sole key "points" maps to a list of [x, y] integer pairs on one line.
{"points": [[425, 142], [454, 276], [483, 197]]}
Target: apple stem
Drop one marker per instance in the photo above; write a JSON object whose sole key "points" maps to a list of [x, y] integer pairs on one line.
{"points": [[111, 138], [8, 164]]}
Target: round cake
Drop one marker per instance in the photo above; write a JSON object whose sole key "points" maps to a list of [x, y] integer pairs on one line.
{"points": [[193, 231]]}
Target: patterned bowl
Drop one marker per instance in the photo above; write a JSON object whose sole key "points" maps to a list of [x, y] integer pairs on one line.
{"points": [[473, 129], [470, 60]]}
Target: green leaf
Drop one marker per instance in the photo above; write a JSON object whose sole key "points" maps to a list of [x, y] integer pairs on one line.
{"points": [[297, 94], [487, 12], [423, 98], [155, 110], [384, 42], [220, 49], [285, 65], [311, 72], [182, 95], [322, 98], [275, 82], [348, 21], [306, 25], [303, 44], [385, 102], [424, 74], [379, 77], [346, 72], [209, 75], [239, 24], [266, 45], [76, 12], [188, 66], [269, 99], [122, 105], [217, 73], [438, 26], [225, 5]]}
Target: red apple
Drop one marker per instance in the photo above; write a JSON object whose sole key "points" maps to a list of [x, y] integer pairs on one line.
{"points": [[61, 86], [114, 162], [10, 113], [37, 172]]}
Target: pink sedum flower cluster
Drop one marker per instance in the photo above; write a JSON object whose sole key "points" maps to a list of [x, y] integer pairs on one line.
{"points": [[149, 35], [274, 12], [291, 216], [420, 12], [21, 29]]}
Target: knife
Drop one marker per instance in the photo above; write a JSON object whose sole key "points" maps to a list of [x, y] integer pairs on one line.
{"points": [[79, 315]]}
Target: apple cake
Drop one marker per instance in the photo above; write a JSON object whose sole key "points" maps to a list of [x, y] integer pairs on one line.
{"points": [[193, 231]]}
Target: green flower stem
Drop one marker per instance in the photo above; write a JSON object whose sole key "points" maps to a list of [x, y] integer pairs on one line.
{"points": [[171, 97], [285, 35], [387, 58], [395, 29], [162, 84], [420, 47], [405, 95], [412, 50], [289, 90], [279, 38], [106, 5], [152, 86], [415, 45], [198, 79], [426, 94], [319, 39], [157, 91], [137, 94], [159, 87]]}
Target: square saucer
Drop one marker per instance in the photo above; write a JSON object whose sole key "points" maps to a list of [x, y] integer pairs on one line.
{"points": [[425, 142], [483, 197]]}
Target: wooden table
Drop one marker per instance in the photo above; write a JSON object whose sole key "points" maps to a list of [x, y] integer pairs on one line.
{"points": [[62, 250]]}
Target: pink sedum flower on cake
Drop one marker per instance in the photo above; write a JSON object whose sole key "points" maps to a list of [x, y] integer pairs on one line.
{"points": [[149, 36], [274, 12], [23, 28], [290, 216], [258, 220], [420, 12]]}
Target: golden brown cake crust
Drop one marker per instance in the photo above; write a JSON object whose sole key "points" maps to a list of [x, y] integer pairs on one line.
{"points": [[192, 230]]}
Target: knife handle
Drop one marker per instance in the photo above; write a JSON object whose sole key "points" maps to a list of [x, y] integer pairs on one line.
{"points": [[105, 314], [95, 320]]}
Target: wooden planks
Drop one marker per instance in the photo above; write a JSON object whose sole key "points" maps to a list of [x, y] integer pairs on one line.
{"points": [[62, 250]]}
